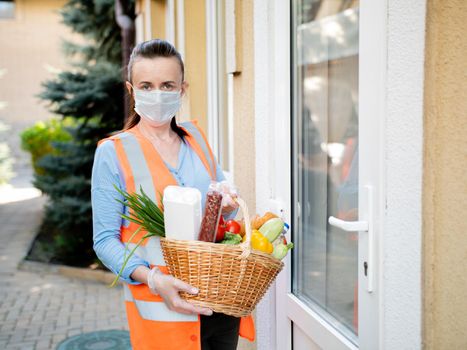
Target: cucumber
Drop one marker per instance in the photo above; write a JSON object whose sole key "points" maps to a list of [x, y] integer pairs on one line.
{"points": [[281, 250], [272, 228]]}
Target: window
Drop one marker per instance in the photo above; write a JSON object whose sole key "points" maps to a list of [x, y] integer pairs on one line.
{"points": [[7, 9], [325, 128], [219, 116]]}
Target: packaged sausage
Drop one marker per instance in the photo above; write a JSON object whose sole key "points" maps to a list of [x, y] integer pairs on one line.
{"points": [[212, 213]]}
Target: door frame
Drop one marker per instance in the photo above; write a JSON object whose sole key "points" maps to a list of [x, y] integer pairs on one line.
{"points": [[399, 107], [372, 102]]}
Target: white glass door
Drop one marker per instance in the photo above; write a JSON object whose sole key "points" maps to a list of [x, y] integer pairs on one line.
{"points": [[333, 301]]}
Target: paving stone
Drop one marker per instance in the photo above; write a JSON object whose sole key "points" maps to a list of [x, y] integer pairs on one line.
{"points": [[4, 338], [62, 322], [33, 332], [39, 310], [74, 331], [43, 344], [17, 336], [58, 338], [12, 315], [3, 315], [8, 326], [25, 345]]}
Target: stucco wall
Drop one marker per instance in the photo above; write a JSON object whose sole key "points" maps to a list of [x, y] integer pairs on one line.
{"points": [[29, 54], [244, 95], [151, 21], [445, 180], [272, 149], [158, 8], [30, 49], [402, 115], [403, 133], [244, 121], [195, 59]]}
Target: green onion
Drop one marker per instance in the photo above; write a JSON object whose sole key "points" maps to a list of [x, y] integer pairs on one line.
{"points": [[146, 214]]}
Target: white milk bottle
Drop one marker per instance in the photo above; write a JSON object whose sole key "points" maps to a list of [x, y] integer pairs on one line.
{"points": [[182, 212]]}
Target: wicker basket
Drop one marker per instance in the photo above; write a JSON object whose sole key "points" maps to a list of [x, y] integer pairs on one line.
{"points": [[230, 279]]}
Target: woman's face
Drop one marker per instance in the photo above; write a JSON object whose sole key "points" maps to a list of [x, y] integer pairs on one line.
{"points": [[160, 73]]}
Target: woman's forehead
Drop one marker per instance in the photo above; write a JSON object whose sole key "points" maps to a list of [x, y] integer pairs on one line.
{"points": [[156, 69]]}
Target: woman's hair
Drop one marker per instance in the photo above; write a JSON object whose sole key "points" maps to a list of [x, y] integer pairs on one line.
{"points": [[152, 49]]}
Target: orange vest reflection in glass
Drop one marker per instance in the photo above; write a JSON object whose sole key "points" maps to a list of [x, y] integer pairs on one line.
{"points": [[152, 325]]}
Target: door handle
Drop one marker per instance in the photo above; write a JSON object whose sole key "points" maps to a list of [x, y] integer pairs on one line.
{"points": [[362, 226], [349, 226]]}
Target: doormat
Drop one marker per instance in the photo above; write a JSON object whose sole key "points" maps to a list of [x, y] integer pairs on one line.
{"points": [[102, 340]]}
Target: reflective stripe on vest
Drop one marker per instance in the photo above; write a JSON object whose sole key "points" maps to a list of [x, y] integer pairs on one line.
{"points": [[145, 165], [151, 251], [201, 140], [141, 174], [157, 311]]}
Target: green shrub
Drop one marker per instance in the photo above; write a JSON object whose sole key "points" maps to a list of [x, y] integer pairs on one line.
{"points": [[67, 183], [91, 92], [38, 139], [62, 172]]}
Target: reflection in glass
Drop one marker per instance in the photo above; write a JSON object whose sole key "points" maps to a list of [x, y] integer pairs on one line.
{"points": [[325, 124], [7, 9]]}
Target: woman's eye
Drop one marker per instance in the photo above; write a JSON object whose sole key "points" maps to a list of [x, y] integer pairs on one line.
{"points": [[146, 87], [167, 87]]}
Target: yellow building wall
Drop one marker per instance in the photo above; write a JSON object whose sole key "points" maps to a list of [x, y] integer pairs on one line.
{"points": [[158, 11], [151, 19], [243, 102], [244, 116], [445, 176], [29, 54], [195, 60]]}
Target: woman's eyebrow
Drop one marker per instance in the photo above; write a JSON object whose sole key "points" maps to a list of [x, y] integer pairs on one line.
{"points": [[145, 82], [169, 82]]}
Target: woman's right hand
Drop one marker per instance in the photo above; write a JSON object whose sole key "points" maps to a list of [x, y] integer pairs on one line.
{"points": [[168, 287]]}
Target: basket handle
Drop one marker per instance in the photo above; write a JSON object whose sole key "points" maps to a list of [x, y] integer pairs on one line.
{"points": [[246, 246]]}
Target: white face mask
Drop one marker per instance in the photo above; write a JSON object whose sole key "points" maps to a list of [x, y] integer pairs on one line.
{"points": [[157, 107]]}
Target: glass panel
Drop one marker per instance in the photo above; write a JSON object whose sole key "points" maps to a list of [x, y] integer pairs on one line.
{"points": [[325, 161], [223, 115], [7, 9]]}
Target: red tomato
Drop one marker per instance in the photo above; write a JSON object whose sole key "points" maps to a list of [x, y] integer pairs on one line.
{"points": [[232, 226], [220, 230]]}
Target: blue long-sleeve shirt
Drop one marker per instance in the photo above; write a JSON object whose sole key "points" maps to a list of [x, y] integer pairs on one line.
{"points": [[106, 211]]}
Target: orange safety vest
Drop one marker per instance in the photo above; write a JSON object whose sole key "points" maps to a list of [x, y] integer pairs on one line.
{"points": [[152, 325]]}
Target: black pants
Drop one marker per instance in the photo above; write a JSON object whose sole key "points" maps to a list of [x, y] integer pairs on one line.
{"points": [[219, 332]]}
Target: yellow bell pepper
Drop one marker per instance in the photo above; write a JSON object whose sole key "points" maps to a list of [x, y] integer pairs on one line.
{"points": [[259, 242]]}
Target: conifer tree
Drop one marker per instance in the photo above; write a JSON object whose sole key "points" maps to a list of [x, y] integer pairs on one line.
{"points": [[91, 93]]}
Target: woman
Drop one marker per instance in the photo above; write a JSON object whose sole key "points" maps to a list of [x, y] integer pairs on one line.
{"points": [[153, 152]]}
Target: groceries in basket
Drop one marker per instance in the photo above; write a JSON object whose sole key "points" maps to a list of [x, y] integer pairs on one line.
{"points": [[268, 235], [180, 218], [231, 275]]}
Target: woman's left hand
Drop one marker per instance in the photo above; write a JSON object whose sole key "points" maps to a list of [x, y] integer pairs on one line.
{"points": [[229, 204]]}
